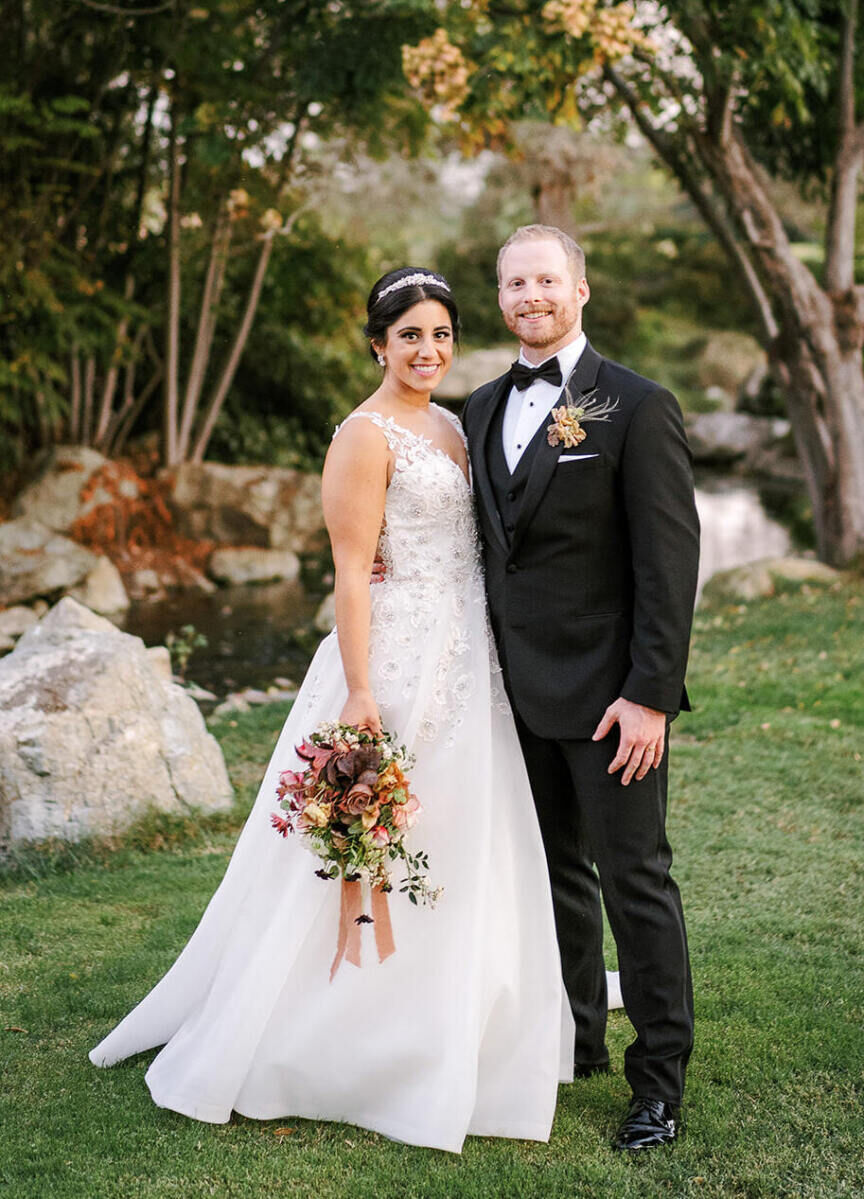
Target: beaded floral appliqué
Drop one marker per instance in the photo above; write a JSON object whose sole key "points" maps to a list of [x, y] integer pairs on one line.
{"points": [[427, 603]]}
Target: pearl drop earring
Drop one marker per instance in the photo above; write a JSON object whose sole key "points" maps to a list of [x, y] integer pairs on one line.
{"points": [[382, 361]]}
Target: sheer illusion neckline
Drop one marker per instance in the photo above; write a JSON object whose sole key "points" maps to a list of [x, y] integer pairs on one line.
{"points": [[427, 442]]}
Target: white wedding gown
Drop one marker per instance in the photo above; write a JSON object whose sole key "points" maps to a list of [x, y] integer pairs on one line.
{"points": [[463, 1029]]}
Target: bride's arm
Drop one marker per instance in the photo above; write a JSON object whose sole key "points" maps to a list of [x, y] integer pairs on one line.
{"points": [[353, 492]]}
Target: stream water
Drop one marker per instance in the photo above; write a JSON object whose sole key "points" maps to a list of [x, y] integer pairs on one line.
{"points": [[735, 526], [254, 634], [257, 635]]}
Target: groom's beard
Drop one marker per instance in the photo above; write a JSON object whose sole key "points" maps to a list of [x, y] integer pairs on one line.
{"points": [[562, 319]]}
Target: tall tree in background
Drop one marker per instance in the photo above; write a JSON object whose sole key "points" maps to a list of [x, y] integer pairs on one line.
{"points": [[731, 97]]}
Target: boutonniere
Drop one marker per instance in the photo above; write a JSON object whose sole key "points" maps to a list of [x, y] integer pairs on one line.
{"points": [[568, 419]]}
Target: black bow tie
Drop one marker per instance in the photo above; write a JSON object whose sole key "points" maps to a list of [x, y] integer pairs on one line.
{"points": [[523, 376]]}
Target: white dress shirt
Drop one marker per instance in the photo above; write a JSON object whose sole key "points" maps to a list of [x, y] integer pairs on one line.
{"points": [[527, 410]]}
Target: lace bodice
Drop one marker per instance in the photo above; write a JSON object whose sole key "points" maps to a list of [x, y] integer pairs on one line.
{"points": [[428, 537], [428, 627]]}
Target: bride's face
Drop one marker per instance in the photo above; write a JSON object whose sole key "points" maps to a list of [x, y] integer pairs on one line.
{"points": [[419, 347]]}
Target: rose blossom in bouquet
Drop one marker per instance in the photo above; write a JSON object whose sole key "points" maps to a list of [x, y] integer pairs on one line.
{"points": [[352, 805]]}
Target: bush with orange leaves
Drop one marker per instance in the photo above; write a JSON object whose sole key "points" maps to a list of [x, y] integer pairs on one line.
{"points": [[135, 527]]}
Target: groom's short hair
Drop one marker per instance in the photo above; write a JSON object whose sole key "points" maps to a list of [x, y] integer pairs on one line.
{"points": [[575, 253]]}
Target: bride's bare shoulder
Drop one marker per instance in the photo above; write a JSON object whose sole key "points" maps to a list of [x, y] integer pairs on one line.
{"points": [[359, 437]]}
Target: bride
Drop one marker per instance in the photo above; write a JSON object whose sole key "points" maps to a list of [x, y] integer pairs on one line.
{"points": [[463, 1029]]}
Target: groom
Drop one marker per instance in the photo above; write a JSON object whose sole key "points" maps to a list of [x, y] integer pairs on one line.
{"points": [[591, 545]]}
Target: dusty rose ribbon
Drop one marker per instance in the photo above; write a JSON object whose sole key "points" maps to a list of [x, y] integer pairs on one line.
{"points": [[348, 944], [384, 942]]}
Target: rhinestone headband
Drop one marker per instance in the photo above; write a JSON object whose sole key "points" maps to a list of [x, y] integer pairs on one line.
{"points": [[411, 281]]}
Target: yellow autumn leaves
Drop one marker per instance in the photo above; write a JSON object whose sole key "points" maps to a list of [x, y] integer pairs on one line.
{"points": [[612, 30], [440, 73]]}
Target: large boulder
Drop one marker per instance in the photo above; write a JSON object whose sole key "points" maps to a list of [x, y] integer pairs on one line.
{"points": [[148, 583], [722, 438], [473, 368], [102, 589], [93, 733], [760, 580], [13, 622], [18, 619], [35, 561], [59, 494], [325, 617], [251, 564], [249, 505]]}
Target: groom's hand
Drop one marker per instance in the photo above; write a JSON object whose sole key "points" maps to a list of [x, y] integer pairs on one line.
{"points": [[642, 737]]}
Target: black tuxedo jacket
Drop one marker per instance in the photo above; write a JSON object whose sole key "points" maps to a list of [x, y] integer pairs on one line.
{"points": [[591, 594]]}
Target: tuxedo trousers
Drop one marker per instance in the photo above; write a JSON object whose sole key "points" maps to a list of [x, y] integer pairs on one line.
{"points": [[603, 837]]}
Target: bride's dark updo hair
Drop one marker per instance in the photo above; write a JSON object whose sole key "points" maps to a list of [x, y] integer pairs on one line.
{"points": [[399, 290]]}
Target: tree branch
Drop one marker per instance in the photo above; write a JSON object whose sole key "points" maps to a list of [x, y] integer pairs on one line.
{"points": [[172, 323], [843, 202], [801, 304], [131, 414], [87, 411], [670, 81], [228, 371], [75, 410], [128, 399], [117, 11], [719, 111], [846, 98], [715, 219], [113, 373], [206, 328]]}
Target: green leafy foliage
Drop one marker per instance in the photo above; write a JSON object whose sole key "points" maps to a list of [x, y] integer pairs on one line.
{"points": [[307, 362], [181, 645], [779, 58], [252, 88]]}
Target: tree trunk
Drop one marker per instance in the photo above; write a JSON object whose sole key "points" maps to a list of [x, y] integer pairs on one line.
{"points": [[109, 441], [813, 337], [828, 328], [106, 407], [86, 430], [172, 327], [843, 533], [75, 408], [206, 328], [553, 202], [128, 416], [228, 371]]}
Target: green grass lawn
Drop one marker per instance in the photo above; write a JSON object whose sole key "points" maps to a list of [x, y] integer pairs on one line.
{"points": [[766, 818]]}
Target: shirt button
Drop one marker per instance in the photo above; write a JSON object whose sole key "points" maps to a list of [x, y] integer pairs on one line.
{"points": [[512, 568], [519, 446]]}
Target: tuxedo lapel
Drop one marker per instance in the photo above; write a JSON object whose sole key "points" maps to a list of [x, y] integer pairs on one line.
{"points": [[582, 379], [482, 482]]}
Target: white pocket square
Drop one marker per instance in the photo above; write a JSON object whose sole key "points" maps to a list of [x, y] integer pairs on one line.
{"points": [[576, 457]]}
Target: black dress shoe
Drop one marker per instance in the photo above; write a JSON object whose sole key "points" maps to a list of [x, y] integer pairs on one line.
{"points": [[648, 1122], [587, 1069]]}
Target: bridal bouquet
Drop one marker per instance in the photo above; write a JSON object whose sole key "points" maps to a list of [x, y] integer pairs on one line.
{"points": [[352, 805]]}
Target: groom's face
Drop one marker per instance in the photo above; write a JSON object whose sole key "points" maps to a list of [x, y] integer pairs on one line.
{"points": [[540, 300]]}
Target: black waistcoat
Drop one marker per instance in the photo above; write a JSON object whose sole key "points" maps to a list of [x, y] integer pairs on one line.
{"points": [[509, 489]]}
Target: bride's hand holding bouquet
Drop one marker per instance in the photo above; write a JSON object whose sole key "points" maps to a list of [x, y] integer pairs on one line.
{"points": [[361, 711], [352, 806]]}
